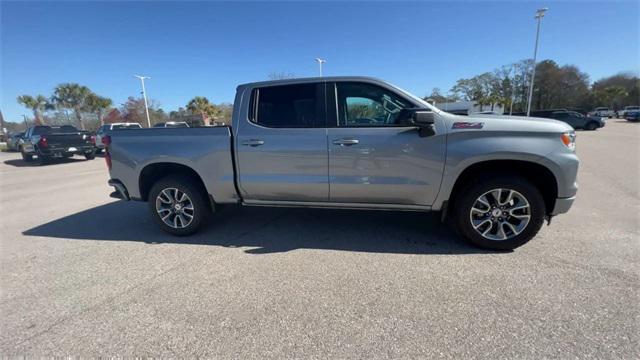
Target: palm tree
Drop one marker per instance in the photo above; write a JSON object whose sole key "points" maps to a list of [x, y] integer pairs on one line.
{"points": [[98, 104], [201, 105], [37, 104], [72, 96]]}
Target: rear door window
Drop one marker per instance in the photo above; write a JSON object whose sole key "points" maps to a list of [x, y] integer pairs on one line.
{"points": [[287, 106]]}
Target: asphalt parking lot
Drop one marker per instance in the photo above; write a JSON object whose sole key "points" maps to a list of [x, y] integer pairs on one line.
{"points": [[83, 274]]}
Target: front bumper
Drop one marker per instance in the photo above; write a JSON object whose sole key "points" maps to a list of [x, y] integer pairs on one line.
{"points": [[562, 205]]}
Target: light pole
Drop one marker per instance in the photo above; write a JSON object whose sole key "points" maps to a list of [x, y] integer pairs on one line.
{"points": [[144, 95], [320, 62], [539, 16], [26, 124]]}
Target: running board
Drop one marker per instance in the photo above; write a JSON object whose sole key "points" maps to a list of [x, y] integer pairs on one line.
{"points": [[335, 205]]}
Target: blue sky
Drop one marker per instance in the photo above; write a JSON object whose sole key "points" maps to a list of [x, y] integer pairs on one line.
{"points": [[208, 48]]}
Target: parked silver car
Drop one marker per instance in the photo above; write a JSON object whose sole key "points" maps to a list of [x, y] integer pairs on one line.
{"points": [[13, 141], [356, 143]]}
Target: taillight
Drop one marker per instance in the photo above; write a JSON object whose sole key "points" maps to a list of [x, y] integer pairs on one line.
{"points": [[43, 142]]}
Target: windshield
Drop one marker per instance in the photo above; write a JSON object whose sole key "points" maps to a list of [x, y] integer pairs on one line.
{"points": [[416, 99], [576, 114]]}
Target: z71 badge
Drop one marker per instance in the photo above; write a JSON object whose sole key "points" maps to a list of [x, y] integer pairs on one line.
{"points": [[467, 125]]}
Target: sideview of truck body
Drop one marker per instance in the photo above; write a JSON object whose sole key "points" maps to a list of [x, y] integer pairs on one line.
{"points": [[353, 142]]}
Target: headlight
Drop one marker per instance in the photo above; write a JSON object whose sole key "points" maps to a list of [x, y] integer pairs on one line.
{"points": [[569, 139]]}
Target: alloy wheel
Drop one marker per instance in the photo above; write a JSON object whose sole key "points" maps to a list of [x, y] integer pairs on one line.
{"points": [[175, 208], [500, 214]]}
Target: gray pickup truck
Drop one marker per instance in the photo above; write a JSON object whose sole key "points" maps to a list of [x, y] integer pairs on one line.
{"points": [[352, 143]]}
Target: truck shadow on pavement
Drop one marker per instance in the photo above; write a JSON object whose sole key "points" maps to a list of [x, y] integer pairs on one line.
{"points": [[270, 230], [35, 163]]}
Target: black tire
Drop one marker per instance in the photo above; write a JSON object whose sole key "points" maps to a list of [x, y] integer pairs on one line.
{"points": [[90, 156], [591, 126], [465, 200], [26, 157], [195, 193]]}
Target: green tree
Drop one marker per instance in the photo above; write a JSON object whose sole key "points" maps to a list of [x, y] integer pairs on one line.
{"points": [[201, 105], [612, 96], [38, 104], [73, 96], [629, 81], [98, 105]]}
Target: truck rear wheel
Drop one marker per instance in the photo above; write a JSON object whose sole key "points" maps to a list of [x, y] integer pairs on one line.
{"points": [[179, 205], [499, 213]]}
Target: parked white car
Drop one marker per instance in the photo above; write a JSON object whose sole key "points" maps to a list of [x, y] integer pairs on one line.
{"points": [[104, 129], [602, 112]]}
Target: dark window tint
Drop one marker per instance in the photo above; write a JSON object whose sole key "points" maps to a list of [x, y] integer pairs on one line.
{"points": [[41, 130], [289, 106], [361, 104], [65, 129]]}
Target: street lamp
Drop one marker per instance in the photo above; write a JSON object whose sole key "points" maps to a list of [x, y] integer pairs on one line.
{"points": [[144, 95], [320, 62], [539, 16]]}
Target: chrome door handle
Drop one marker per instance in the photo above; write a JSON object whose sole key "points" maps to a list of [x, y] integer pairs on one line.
{"points": [[346, 142], [253, 142]]}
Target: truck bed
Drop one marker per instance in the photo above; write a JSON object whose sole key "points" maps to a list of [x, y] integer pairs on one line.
{"points": [[206, 150]]}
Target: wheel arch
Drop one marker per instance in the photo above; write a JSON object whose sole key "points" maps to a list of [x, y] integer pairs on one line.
{"points": [[153, 172], [539, 175]]}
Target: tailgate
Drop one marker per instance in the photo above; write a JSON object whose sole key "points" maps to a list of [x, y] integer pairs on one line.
{"points": [[77, 140]]}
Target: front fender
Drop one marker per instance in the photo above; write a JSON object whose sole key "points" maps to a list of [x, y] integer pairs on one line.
{"points": [[465, 149]]}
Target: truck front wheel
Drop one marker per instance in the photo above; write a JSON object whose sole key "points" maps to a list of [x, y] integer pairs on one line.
{"points": [[499, 213], [179, 205]]}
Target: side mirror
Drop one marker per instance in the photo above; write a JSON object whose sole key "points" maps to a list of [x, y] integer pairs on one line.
{"points": [[423, 118]]}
